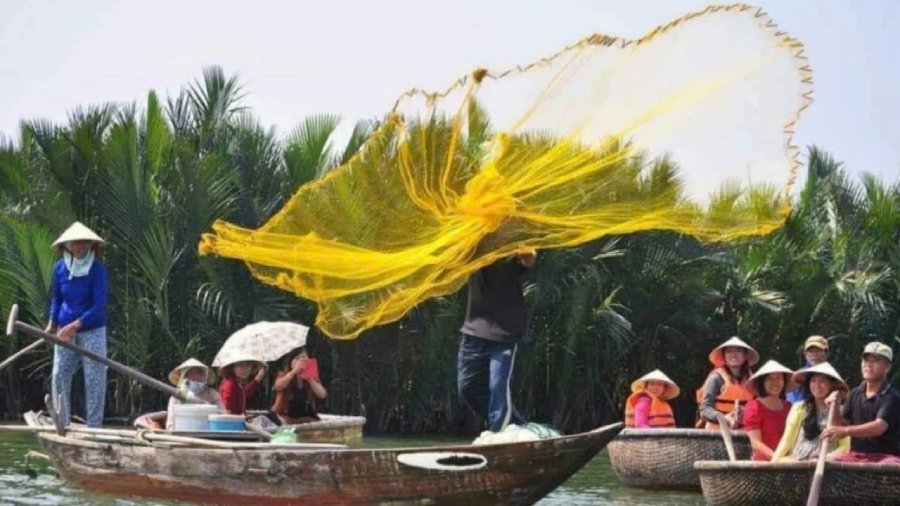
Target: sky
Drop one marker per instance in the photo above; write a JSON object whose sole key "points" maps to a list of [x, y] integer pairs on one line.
{"points": [[354, 58]]}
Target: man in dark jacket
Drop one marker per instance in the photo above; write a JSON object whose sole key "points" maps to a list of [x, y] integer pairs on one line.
{"points": [[496, 321]]}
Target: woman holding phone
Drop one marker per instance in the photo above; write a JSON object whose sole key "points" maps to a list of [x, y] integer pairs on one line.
{"points": [[298, 389]]}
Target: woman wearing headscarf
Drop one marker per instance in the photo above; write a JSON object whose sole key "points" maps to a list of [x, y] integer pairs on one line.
{"points": [[78, 293]]}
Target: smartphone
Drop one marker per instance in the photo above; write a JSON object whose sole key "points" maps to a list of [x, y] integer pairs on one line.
{"points": [[311, 370]]}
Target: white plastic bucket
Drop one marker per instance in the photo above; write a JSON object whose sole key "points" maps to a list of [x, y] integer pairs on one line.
{"points": [[193, 417]]}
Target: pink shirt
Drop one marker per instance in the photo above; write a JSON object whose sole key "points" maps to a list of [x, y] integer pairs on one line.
{"points": [[770, 423], [642, 413]]}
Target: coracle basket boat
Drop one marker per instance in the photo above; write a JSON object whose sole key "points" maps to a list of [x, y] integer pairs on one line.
{"points": [[663, 459], [769, 484], [332, 429]]}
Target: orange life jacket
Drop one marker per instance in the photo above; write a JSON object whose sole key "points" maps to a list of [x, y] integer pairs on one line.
{"points": [[725, 401], [661, 415]]}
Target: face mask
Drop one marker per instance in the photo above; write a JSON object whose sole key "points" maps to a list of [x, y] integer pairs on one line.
{"points": [[78, 267], [195, 387]]}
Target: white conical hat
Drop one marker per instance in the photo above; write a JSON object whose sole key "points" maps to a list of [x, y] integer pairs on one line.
{"points": [[770, 367], [671, 391], [190, 363], [236, 356], [718, 359], [824, 369], [77, 232]]}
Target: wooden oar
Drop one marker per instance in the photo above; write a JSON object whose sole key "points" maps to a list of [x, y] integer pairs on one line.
{"points": [[153, 435], [14, 356], [14, 325], [819, 476], [726, 436]]}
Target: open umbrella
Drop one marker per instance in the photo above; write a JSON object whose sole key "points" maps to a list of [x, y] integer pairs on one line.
{"points": [[262, 341]]}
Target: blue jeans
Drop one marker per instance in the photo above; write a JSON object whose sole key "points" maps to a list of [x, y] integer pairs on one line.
{"points": [[483, 372], [65, 361]]}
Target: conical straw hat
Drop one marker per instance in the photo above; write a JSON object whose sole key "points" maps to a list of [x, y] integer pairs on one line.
{"points": [[770, 367], [824, 369], [671, 390], [190, 363], [236, 356], [77, 232], [718, 360]]}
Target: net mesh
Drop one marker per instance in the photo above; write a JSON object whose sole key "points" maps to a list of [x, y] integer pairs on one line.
{"points": [[686, 129]]}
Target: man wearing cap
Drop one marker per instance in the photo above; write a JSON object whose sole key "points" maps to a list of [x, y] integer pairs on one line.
{"points": [[815, 350], [871, 415], [78, 290]]}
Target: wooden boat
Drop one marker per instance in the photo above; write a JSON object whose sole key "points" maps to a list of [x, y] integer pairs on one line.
{"points": [[270, 474], [663, 459], [765, 483]]}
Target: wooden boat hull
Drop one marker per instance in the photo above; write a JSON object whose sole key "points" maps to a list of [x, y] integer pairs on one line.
{"points": [[763, 483], [511, 473], [663, 459]]}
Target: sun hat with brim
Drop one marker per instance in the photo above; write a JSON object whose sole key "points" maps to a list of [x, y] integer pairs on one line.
{"points": [[717, 355], [671, 390], [77, 232], [191, 363], [825, 369], [234, 358], [815, 341], [770, 367]]}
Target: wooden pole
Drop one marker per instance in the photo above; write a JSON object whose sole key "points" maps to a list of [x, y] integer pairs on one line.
{"points": [[726, 436], [14, 325], [819, 476], [151, 435], [12, 358]]}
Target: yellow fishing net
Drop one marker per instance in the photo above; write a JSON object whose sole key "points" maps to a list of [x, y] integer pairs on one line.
{"points": [[686, 129]]}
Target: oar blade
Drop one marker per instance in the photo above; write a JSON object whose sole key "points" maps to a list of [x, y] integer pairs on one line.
{"points": [[13, 318]]}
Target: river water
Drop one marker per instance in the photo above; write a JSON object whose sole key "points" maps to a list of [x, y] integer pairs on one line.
{"points": [[36, 484]]}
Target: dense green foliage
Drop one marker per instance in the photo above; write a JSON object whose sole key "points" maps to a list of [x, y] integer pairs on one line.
{"points": [[151, 179]]}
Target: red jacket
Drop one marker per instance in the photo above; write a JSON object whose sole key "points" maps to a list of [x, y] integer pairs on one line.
{"points": [[234, 395]]}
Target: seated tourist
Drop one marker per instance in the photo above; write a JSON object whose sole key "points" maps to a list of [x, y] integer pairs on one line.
{"points": [[809, 417], [240, 380], [815, 352], [647, 407], [297, 389], [765, 416], [195, 377], [724, 388], [871, 415]]}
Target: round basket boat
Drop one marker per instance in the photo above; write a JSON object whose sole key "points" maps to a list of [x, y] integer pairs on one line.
{"points": [[332, 429], [765, 483], [663, 459]]}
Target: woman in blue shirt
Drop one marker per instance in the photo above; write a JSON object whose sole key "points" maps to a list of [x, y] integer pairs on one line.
{"points": [[78, 291]]}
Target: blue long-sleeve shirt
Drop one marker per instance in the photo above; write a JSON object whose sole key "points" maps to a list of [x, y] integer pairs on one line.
{"points": [[82, 298], [797, 395]]}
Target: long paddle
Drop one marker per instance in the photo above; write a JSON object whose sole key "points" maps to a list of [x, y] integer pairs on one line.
{"points": [[819, 476], [14, 356], [14, 325], [726, 436]]}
